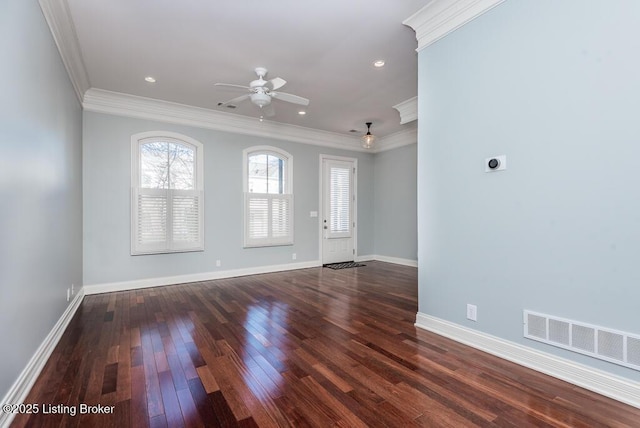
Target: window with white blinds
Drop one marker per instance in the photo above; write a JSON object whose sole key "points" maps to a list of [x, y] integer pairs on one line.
{"points": [[268, 190], [167, 194], [340, 201]]}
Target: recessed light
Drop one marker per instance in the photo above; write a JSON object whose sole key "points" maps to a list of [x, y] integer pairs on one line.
{"points": [[150, 79], [379, 63], [302, 112]]}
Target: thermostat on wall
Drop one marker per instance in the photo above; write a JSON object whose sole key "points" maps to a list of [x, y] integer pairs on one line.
{"points": [[495, 163]]}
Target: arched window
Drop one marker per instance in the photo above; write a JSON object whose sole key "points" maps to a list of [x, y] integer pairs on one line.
{"points": [[166, 193], [268, 188]]}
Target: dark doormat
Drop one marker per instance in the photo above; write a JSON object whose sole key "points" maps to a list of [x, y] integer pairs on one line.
{"points": [[343, 265]]}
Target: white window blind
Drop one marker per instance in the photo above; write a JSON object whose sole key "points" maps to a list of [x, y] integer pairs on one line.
{"points": [[268, 197], [268, 219], [339, 202], [167, 195], [151, 221], [186, 225]]}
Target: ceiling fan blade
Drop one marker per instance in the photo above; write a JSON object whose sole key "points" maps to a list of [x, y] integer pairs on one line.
{"points": [[231, 86], [290, 98], [235, 100], [276, 83]]}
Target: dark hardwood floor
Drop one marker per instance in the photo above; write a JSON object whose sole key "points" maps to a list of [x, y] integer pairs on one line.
{"points": [[313, 347]]}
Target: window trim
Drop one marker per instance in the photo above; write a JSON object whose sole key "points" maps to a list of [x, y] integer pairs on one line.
{"points": [[287, 195], [137, 140]]}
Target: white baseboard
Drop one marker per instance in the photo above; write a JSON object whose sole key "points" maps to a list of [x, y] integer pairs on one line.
{"points": [[208, 276], [595, 380], [196, 277], [387, 259], [397, 260], [21, 387]]}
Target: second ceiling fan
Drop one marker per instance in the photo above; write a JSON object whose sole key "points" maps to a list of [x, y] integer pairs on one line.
{"points": [[261, 91]]}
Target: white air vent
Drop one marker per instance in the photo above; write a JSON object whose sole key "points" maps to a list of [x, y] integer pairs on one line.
{"points": [[584, 338], [537, 326], [611, 345], [599, 342], [559, 332], [633, 351]]}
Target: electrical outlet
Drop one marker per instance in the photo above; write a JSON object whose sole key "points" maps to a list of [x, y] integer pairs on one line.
{"points": [[472, 312], [294, 256], [68, 294], [218, 263]]}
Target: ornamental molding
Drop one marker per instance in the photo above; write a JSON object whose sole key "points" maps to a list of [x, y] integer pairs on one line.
{"points": [[440, 17]]}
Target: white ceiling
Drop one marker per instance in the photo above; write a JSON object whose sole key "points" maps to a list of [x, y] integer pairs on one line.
{"points": [[323, 49]]}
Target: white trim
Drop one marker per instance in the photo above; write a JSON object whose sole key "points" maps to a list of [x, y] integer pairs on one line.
{"points": [[101, 101], [195, 277], [397, 140], [119, 104], [365, 258], [440, 17], [387, 259], [408, 110], [595, 380], [21, 387], [58, 17]]}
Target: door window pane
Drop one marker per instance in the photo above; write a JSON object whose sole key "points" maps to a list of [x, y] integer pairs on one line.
{"points": [[339, 200]]}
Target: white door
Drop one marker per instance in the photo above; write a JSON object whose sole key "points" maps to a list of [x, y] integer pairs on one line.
{"points": [[338, 199]]}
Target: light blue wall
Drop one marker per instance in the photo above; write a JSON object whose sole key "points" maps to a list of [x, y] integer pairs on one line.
{"points": [[395, 209], [554, 86], [107, 172], [40, 185]]}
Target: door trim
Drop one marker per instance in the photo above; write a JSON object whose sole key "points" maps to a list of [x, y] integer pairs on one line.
{"points": [[324, 157]]}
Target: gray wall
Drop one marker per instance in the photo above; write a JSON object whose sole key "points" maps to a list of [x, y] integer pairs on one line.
{"points": [[40, 185], [395, 208], [554, 86], [106, 196]]}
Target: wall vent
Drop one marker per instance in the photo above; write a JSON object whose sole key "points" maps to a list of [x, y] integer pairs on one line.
{"points": [[598, 342]]}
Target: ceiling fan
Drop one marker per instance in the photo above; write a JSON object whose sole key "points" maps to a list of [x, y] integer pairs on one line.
{"points": [[261, 91]]}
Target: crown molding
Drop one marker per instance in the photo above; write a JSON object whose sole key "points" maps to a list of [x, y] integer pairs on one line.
{"points": [[58, 17], [440, 17], [119, 104], [396, 140], [408, 110]]}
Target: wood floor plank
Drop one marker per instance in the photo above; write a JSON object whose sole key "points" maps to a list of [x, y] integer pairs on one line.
{"points": [[171, 405], [138, 409], [307, 348]]}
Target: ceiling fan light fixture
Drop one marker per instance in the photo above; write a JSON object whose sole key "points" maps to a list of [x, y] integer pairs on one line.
{"points": [[368, 139], [260, 92], [260, 99]]}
